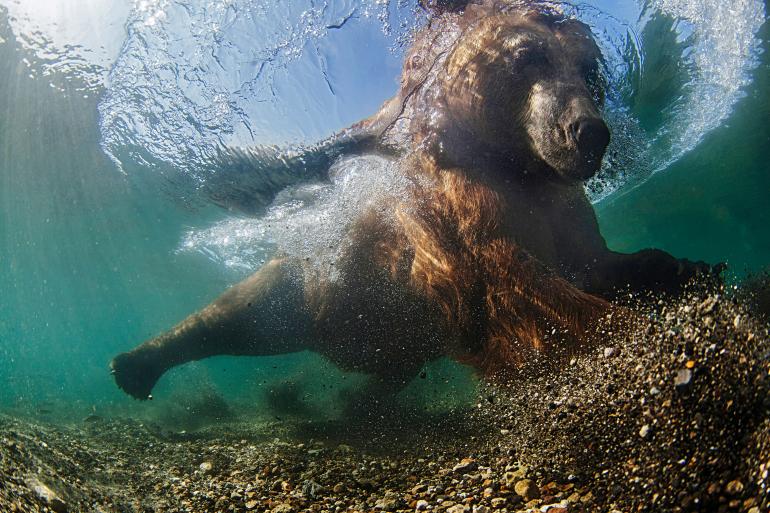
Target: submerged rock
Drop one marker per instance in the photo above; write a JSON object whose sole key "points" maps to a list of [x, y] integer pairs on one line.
{"points": [[465, 466], [683, 378], [527, 489], [49, 497]]}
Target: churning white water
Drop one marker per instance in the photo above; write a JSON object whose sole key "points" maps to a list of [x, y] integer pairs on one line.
{"points": [[308, 221]]}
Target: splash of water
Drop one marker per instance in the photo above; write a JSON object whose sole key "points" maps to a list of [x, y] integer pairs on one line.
{"points": [[725, 52], [308, 222], [719, 50]]}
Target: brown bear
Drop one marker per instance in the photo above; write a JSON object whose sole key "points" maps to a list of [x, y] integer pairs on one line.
{"points": [[493, 256]]}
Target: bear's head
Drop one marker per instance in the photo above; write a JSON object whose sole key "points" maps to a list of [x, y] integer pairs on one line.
{"points": [[517, 85]]}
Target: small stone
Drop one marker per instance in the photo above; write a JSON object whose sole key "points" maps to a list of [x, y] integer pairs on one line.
{"points": [[527, 489], [311, 489], [386, 504], [251, 504], [708, 304], [283, 508], [47, 495], [466, 465], [734, 487], [338, 488], [206, 467], [422, 505], [609, 352], [457, 508], [520, 473], [498, 502], [683, 378], [554, 508], [644, 431], [480, 508]]}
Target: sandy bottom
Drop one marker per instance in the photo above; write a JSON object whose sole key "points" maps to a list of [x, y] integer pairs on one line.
{"points": [[669, 415]]}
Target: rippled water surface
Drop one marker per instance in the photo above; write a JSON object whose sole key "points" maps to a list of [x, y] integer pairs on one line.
{"points": [[112, 108]]}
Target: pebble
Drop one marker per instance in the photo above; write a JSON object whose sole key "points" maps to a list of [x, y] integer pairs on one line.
{"points": [[498, 502], [734, 487], [283, 508], [554, 508], [466, 465], [527, 489], [386, 504], [47, 495], [682, 378]]}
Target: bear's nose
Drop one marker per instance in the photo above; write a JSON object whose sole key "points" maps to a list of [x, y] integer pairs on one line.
{"points": [[591, 136]]}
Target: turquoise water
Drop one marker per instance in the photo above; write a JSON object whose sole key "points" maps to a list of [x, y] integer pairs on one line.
{"points": [[98, 173]]}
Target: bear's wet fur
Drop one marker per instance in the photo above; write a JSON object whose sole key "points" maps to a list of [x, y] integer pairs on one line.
{"points": [[493, 256]]}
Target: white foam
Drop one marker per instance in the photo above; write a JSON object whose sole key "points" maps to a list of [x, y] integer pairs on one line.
{"points": [[725, 53], [309, 222], [722, 55]]}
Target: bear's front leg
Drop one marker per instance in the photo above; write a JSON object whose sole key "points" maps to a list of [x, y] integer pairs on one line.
{"points": [[646, 270], [264, 314]]}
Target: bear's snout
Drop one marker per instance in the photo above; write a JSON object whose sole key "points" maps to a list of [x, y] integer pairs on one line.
{"points": [[566, 130], [591, 137]]}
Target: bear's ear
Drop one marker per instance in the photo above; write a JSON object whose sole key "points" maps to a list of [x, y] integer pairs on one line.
{"points": [[442, 6]]}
